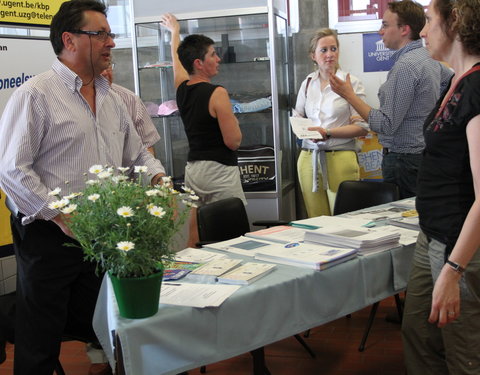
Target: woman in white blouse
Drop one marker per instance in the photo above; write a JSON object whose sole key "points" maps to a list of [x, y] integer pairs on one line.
{"points": [[334, 156]]}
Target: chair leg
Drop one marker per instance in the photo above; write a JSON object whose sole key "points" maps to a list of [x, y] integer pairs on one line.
{"points": [[305, 345], [373, 311], [58, 368], [203, 369], [259, 367]]}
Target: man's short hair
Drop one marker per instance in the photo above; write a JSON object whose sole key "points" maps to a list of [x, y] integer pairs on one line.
{"points": [[193, 47], [70, 17], [409, 13]]}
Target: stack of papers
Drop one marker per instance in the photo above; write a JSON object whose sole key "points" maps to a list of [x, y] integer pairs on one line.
{"points": [[239, 245], [409, 222], [196, 295], [408, 203], [246, 274], [197, 255], [363, 239], [215, 268], [306, 255], [178, 269], [279, 233]]}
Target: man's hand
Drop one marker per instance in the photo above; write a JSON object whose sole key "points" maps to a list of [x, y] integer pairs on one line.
{"points": [[342, 88], [61, 220], [157, 179]]}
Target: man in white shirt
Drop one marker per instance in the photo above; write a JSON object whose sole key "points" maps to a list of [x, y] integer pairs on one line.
{"points": [[54, 127]]}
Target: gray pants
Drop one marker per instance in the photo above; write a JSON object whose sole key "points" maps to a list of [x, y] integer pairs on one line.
{"points": [[454, 349]]}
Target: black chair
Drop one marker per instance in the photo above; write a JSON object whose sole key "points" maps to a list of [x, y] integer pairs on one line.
{"points": [[356, 195], [223, 220]]}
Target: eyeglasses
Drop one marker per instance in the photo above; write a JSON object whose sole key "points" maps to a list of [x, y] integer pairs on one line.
{"points": [[100, 35]]}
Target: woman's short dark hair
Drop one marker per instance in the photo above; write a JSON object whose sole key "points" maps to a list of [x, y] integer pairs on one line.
{"points": [[193, 47], [462, 18], [409, 13], [69, 17]]}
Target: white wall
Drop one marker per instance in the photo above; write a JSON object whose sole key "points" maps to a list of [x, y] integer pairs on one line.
{"points": [[351, 60]]}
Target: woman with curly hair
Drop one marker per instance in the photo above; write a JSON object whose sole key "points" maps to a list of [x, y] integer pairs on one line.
{"points": [[441, 324]]}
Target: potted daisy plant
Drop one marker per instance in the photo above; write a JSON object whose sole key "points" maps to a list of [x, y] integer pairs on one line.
{"points": [[127, 228]]}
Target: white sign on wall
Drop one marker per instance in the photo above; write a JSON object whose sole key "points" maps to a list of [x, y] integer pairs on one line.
{"points": [[20, 60]]}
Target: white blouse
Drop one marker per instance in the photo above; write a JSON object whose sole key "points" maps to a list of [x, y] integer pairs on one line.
{"points": [[328, 110]]}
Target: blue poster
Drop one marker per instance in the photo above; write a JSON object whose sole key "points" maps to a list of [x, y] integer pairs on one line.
{"points": [[376, 57]]}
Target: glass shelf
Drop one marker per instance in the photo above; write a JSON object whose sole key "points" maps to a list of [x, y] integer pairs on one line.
{"points": [[253, 49]]}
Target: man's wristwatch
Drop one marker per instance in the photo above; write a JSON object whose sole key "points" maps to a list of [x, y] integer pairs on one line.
{"points": [[455, 266], [328, 134]]}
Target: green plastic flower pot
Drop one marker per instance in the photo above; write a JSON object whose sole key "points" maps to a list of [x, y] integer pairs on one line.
{"points": [[137, 297]]}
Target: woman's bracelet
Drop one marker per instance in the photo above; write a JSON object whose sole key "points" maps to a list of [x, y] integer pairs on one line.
{"points": [[455, 266]]}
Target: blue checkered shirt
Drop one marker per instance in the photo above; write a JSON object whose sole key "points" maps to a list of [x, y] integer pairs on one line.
{"points": [[407, 97]]}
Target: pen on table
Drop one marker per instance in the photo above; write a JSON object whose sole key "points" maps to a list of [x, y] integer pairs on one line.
{"points": [[304, 226]]}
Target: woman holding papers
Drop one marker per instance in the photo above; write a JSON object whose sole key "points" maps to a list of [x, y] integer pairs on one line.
{"points": [[324, 163], [441, 323]]}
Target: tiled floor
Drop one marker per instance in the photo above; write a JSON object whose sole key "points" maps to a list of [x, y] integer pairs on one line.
{"points": [[335, 344]]}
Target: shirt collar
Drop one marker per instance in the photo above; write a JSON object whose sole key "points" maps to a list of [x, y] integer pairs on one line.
{"points": [[316, 74], [73, 81], [407, 48]]}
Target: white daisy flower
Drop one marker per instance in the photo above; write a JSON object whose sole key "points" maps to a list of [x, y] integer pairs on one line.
{"points": [[73, 195], [120, 178], [157, 211], [123, 169], [152, 192], [93, 197], [162, 193], [69, 209], [193, 197], [58, 204], [55, 191], [96, 169], [189, 204], [104, 174], [125, 211], [166, 179], [92, 182], [140, 169], [125, 245]]}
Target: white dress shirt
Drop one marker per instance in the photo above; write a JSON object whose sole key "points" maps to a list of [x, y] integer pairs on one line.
{"points": [[49, 137]]}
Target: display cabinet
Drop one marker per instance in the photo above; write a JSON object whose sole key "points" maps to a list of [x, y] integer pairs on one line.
{"points": [[253, 46]]}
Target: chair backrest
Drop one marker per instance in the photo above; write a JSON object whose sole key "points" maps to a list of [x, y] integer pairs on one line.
{"points": [[222, 220], [355, 195]]}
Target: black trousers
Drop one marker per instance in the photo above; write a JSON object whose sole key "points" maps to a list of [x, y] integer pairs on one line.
{"points": [[56, 295]]}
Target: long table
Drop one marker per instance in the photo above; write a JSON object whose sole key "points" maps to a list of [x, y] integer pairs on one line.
{"points": [[281, 304]]}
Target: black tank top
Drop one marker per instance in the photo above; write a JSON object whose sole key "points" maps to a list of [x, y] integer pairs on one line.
{"points": [[203, 132]]}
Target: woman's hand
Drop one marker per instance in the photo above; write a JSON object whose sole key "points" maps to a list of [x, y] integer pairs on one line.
{"points": [[445, 297], [170, 22], [322, 132]]}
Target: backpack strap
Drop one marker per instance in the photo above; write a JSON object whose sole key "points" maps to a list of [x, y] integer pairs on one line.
{"points": [[306, 87]]}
